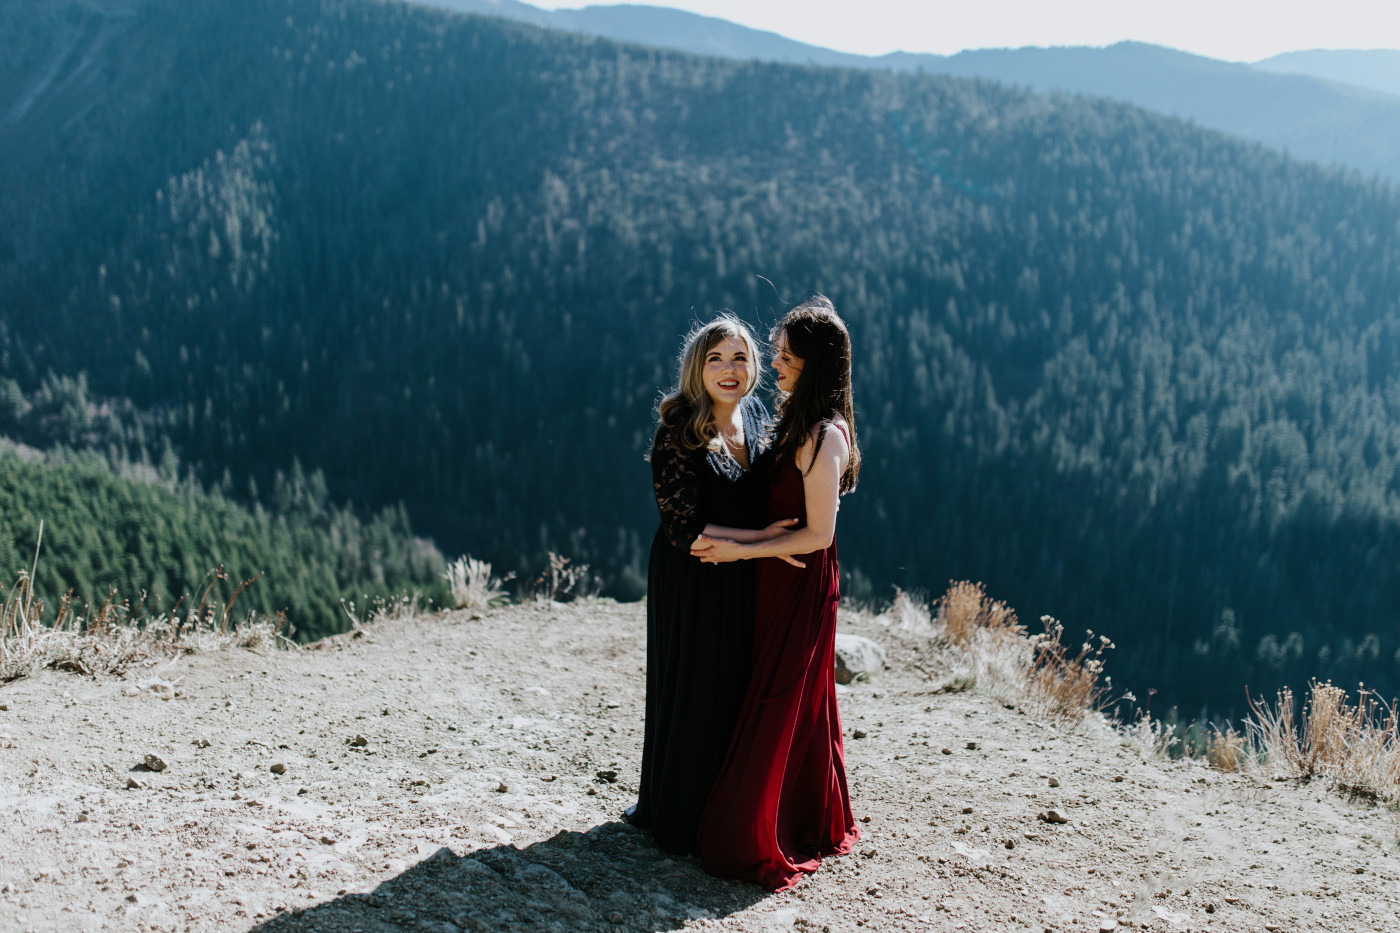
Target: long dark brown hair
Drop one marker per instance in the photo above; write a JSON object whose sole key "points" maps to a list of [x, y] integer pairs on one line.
{"points": [[817, 336]]}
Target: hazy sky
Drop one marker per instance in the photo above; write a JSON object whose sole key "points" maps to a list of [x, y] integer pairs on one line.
{"points": [[1236, 30]]}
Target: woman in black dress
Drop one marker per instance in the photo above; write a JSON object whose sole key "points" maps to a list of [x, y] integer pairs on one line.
{"points": [[707, 470]]}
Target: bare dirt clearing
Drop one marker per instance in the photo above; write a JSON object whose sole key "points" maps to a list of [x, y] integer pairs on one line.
{"points": [[467, 772]]}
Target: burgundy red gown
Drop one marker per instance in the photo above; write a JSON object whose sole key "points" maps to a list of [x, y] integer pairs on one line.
{"points": [[780, 802]]}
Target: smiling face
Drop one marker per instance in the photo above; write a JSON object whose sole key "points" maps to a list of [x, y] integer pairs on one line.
{"points": [[787, 363], [726, 372]]}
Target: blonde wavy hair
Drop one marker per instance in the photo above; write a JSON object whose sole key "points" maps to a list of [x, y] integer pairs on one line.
{"points": [[685, 410]]}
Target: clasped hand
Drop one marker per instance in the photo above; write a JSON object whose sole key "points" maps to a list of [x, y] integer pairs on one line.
{"points": [[713, 550]]}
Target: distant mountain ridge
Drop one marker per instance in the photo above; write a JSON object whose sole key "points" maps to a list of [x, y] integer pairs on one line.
{"points": [[1378, 69], [1294, 102]]}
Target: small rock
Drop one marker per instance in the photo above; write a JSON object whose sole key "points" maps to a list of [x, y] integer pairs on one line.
{"points": [[870, 853], [1118, 779], [857, 658], [967, 809], [1107, 924], [1031, 836], [1051, 816], [202, 742], [947, 751], [278, 768], [137, 898], [303, 792], [501, 788], [1010, 843], [858, 734], [592, 791], [327, 841], [155, 763], [4, 707], [609, 777], [615, 917], [83, 817], [359, 741], [972, 746], [134, 784], [1054, 782], [1360, 870], [874, 891], [1210, 908]]}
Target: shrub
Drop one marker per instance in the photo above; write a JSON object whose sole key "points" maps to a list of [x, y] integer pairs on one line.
{"points": [[473, 586], [1065, 687], [966, 609], [1356, 746]]}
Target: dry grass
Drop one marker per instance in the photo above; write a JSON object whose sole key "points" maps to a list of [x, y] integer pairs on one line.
{"points": [[383, 609], [988, 648], [473, 586], [563, 581], [908, 611], [1228, 750], [114, 637], [1063, 686], [1153, 738], [966, 610], [1355, 746]]}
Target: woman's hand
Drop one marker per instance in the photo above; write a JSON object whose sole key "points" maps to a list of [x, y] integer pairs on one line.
{"points": [[722, 550], [782, 526], [716, 550]]}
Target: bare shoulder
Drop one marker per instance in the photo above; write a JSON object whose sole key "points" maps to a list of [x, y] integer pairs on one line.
{"points": [[833, 441], [835, 431]]}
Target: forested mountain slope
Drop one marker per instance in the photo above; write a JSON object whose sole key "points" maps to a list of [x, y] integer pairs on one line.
{"points": [[1128, 371], [1317, 105], [143, 539]]}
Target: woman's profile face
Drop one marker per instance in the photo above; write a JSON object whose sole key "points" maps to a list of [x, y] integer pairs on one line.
{"points": [[726, 373], [787, 363]]}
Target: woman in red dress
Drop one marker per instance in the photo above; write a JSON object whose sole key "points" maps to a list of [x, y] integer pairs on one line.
{"points": [[780, 802]]}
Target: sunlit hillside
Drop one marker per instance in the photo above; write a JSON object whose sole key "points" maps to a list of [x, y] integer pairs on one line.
{"points": [[1130, 372]]}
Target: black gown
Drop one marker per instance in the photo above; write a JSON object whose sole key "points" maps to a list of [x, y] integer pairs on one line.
{"points": [[699, 628]]}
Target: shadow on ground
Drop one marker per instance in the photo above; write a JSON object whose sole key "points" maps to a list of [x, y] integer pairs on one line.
{"points": [[609, 878]]}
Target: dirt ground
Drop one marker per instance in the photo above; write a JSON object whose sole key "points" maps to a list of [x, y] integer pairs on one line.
{"points": [[467, 772]]}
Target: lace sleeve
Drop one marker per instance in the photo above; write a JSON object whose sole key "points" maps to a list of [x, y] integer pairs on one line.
{"points": [[675, 478]]}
